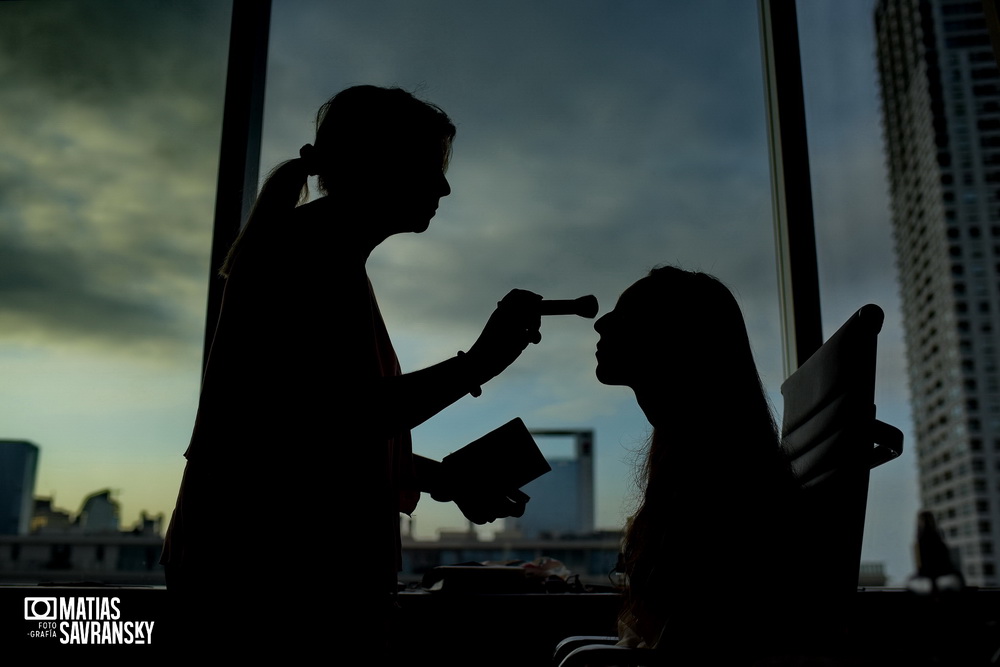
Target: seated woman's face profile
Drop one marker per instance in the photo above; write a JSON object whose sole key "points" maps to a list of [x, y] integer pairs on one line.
{"points": [[670, 329], [632, 336]]}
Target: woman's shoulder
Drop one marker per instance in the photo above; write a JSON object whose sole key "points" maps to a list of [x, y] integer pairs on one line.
{"points": [[305, 236], [312, 220]]}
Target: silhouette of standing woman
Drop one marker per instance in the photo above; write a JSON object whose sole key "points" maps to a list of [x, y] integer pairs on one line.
{"points": [[300, 460]]}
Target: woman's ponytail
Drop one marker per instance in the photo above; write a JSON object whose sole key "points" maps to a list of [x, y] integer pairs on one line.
{"points": [[285, 187]]}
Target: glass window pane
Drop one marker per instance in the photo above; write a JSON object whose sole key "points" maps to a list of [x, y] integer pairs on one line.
{"points": [[854, 243], [112, 115], [594, 142]]}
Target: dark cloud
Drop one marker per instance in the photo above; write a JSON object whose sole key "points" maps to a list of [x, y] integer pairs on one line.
{"points": [[112, 113], [49, 293], [104, 53]]}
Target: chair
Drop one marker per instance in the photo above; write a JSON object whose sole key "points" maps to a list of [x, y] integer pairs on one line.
{"points": [[832, 440]]}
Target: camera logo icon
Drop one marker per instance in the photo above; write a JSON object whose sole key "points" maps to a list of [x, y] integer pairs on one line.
{"points": [[40, 609]]}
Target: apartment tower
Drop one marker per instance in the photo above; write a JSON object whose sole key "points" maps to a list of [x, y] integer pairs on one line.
{"points": [[940, 90]]}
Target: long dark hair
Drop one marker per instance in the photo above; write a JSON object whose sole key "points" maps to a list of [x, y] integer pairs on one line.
{"points": [[358, 130], [713, 482]]}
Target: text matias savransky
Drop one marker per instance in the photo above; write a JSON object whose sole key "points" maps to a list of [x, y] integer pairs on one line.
{"points": [[85, 620]]}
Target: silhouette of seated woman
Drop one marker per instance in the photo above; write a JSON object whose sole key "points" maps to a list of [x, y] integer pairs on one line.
{"points": [[703, 551], [300, 460]]}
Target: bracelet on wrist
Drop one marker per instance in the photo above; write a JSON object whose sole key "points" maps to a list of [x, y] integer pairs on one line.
{"points": [[476, 390]]}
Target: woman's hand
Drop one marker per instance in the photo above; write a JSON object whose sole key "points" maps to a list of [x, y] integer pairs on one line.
{"points": [[482, 507], [514, 324], [480, 504], [405, 401]]}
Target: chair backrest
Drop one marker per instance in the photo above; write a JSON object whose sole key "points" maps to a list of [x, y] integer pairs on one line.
{"points": [[832, 440]]}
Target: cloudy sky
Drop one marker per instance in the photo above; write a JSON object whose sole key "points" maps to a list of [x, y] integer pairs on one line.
{"points": [[595, 141]]}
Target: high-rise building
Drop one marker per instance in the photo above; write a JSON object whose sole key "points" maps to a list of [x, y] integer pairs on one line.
{"points": [[940, 90], [18, 460], [562, 500]]}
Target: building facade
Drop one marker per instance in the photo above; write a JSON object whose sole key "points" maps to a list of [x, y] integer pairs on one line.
{"points": [[18, 461], [562, 500], [940, 91]]}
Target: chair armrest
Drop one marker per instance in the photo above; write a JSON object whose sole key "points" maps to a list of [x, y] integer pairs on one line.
{"points": [[595, 655], [888, 443]]}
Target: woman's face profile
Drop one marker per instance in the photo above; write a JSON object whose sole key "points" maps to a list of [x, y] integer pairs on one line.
{"points": [[627, 344], [410, 188]]}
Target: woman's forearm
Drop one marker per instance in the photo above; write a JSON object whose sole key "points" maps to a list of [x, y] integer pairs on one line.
{"points": [[408, 400]]}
